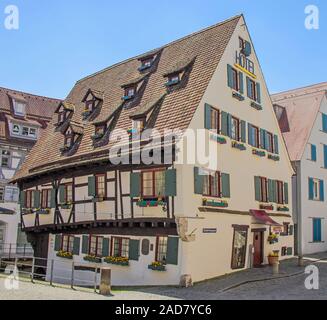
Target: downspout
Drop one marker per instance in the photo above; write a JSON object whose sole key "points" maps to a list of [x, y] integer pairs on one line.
{"points": [[298, 211]]}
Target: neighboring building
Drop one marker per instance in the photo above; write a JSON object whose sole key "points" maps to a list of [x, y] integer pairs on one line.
{"points": [[302, 115], [190, 221], [23, 118]]}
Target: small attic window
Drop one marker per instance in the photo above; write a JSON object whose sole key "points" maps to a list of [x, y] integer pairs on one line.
{"points": [[129, 93], [100, 130], [146, 64], [62, 115], [72, 135], [173, 79], [19, 108]]}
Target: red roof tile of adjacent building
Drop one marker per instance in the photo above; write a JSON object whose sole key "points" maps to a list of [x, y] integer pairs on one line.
{"points": [[297, 112]]}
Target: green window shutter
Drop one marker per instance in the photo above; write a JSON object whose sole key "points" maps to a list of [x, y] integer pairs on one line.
{"points": [[229, 125], [170, 183], [91, 187], [262, 139], [37, 199], [291, 230], [243, 131], [311, 189], [22, 198], [276, 144], [207, 117], [58, 239], [198, 181], [135, 185], [172, 250], [105, 247], [85, 245], [224, 123], [53, 198], [250, 137], [289, 251], [258, 93], [322, 190], [77, 246], [241, 82], [286, 193], [134, 250], [62, 194], [325, 156], [257, 184], [324, 122], [225, 181], [230, 76]]}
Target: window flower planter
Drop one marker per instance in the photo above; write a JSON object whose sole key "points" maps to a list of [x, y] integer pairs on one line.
{"points": [[65, 255], [150, 203], [273, 238], [256, 106], [215, 204], [283, 209], [118, 261], [238, 96], [267, 207], [220, 140], [44, 211], [28, 211], [157, 266], [238, 145], [259, 153], [94, 259], [97, 136], [273, 157]]}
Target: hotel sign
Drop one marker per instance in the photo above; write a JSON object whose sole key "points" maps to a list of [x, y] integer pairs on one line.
{"points": [[242, 60]]}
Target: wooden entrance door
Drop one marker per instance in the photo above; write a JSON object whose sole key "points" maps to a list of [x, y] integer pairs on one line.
{"points": [[258, 249]]}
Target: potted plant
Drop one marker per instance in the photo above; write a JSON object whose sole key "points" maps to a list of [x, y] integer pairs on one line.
{"points": [[273, 258]]}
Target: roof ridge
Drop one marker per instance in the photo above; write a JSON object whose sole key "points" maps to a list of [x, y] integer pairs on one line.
{"points": [[162, 47], [303, 88], [29, 94]]}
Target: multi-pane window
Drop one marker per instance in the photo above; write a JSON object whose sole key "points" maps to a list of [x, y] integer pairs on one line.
{"points": [[280, 192], [96, 245], [252, 91], [254, 136], [130, 92], [5, 158], [62, 116], [235, 76], [11, 194], [212, 185], [153, 184], [29, 200], [235, 129], [162, 247], [19, 108], [147, 63], [239, 248], [138, 125], [100, 180], [68, 193], [67, 244], [215, 120], [174, 78], [120, 247], [270, 142], [264, 189], [46, 199], [24, 131]]}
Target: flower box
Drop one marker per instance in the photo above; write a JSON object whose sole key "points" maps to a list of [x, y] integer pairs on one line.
{"points": [[256, 106], [273, 157], [118, 261], [65, 255], [92, 259], [272, 239], [215, 204], [238, 145], [220, 140], [238, 96], [44, 211], [157, 266], [283, 209], [150, 203], [266, 207], [259, 153]]}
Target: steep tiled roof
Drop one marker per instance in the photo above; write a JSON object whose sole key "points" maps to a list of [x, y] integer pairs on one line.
{"points": [[301, 107], [176, 111]]}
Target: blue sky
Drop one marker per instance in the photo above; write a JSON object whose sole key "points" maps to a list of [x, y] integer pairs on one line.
{"points": [[60, 41]]}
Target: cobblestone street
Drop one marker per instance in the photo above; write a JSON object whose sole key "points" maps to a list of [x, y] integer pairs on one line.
{"points": [[255, 284]]}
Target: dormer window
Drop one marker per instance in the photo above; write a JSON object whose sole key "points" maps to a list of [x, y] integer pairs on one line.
{"points": [[64, 111], [173, 79], [138, 125], [146, 64], [72, 135], [62, 116], [92, 100], [129, 93], [100, 131], [19, 108]]}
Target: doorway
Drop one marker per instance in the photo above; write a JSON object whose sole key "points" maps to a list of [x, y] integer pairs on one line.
{"points": [[258, 247]]}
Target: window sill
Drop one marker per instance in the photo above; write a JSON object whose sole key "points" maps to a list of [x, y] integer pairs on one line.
{"points": [[256, 106], [273, 157], [215, 204], [238, 96], [317, 242], [259, 153], [238, 145]]}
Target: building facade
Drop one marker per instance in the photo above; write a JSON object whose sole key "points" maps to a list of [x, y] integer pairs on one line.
{"points": [[307, 145], [23, 118], [156, 224]]}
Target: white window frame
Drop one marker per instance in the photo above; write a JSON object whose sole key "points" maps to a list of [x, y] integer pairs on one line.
{"points": [[5, 156], [316, 189], [11, 194], [19, 103]]}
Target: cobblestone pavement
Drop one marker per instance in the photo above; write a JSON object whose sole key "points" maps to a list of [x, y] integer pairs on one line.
{"points": [[255, 284]]}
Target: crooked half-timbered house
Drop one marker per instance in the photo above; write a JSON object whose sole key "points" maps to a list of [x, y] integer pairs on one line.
{"points": [[158, 224]]}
